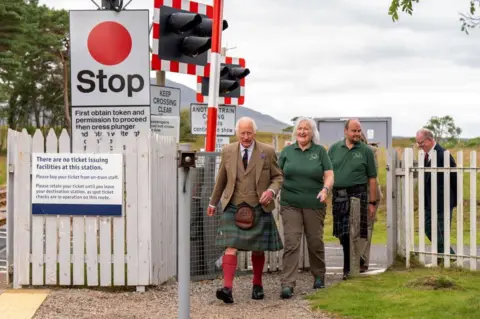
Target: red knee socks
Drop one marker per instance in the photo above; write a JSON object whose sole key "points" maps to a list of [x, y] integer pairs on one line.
{"points": [[229, 265], [258, 261]]}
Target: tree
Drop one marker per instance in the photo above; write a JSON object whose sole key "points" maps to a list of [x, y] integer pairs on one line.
{"points": [[36, 83], [444, 128], [185, 130], [11, 32], [469, 20]]}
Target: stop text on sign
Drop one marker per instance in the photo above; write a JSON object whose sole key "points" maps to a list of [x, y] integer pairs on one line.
{"points": [[115, 83]]}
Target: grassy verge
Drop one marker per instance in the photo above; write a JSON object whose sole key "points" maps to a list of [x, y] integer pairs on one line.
{"points": [[415, 293], [3, 170]]}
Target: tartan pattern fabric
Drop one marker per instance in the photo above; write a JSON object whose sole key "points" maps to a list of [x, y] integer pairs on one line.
{"points": [[341, 219], [264, 236]]}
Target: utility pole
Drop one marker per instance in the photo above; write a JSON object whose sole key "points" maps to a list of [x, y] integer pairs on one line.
{"points": [[160, 78], [215, 54]]}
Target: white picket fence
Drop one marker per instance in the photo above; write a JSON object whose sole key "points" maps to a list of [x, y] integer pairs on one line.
{"points": [[411, 210], [136, 249]]}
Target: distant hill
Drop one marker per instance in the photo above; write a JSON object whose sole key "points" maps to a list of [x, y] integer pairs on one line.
{"points": [[265, 123]]}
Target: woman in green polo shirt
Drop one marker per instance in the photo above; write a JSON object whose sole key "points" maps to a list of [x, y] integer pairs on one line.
{"points": [[308, 175]]}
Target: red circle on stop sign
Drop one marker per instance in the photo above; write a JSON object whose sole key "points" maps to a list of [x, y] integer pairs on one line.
{"points": [[109, 43]]}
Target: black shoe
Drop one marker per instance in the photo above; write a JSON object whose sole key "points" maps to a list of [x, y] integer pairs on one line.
{"points": [[287, 293], [257, 292], [225, 294], [319, 283], [346, 275]]}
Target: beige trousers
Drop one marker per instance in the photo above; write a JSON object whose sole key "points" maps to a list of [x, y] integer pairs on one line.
{"points": [[295, 222]]}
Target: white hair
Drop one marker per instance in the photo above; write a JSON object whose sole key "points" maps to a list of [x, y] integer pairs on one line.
{"points": [[313, 126], [246, 119]]}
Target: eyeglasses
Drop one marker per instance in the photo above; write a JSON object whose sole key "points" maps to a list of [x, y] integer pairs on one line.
{"points": [[421, 142]]}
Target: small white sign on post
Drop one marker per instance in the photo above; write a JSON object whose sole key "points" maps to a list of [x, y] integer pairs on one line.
{"points": [[77, 184], [370, 134], [225, 122], [166, 126], [221, 142], [165, 111], [165, 101]]}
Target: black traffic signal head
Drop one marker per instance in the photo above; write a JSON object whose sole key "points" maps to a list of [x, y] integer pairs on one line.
{"points": [[184, 36], [230, 78]]}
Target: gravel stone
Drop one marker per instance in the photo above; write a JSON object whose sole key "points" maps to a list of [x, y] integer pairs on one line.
{"points": [[161, 301]]}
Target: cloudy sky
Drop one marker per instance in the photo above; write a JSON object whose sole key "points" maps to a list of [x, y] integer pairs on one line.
{"points": [[347, 58]]}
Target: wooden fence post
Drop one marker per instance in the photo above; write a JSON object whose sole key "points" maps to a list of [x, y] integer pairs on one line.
{"points": [[354, 227]]}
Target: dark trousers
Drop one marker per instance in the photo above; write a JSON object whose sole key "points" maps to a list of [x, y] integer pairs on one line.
{"points": [[345, 242], [440, 228]]}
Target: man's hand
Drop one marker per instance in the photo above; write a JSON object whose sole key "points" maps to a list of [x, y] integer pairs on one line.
{"points": [[322, 195], [267, 197], [371, 211], [211, 210]]}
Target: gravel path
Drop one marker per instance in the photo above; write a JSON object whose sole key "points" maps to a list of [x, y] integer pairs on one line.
{"points": [[161, 302]]}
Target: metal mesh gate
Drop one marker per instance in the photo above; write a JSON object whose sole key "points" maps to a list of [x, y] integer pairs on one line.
{"points": [[203, 252]]}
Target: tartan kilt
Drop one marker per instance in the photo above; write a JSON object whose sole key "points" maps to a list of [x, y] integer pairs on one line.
{"points": [[264, 236], [341, 220]]}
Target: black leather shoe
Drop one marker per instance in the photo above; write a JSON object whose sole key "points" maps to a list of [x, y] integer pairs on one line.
{"points": [[225, 294], [346, 275], [257, 292]]}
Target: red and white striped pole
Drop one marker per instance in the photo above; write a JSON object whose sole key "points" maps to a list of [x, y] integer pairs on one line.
{"points": [[214, 84]]}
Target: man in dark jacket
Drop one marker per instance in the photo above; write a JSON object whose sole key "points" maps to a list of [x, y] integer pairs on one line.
{"points": [[425, 140]]}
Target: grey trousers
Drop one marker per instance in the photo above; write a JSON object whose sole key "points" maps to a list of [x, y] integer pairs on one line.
{"points": [[295, 222]]}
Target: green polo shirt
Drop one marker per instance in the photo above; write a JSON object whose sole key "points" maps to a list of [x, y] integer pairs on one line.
{"points": [[352, 166], [303, 175]]}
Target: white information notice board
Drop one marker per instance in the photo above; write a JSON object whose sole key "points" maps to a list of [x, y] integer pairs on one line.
{"points": [[166, 126], [165, 101], [225, 124], [165, 111], [77, 184], [106, 122]]}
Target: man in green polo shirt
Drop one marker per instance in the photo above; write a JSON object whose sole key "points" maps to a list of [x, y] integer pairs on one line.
{"points": [[355, 173]]}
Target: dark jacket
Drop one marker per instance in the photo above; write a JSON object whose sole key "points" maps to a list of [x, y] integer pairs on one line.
{"points": [[440, 183]]}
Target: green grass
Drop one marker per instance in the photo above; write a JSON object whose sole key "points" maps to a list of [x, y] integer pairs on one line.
{"points": [[415, 293], [3, 170]]}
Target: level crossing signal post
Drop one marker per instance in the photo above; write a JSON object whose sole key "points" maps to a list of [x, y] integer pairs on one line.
{"points": [[233, 73]]}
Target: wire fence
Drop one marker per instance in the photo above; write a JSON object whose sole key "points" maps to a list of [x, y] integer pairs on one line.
{"points": [[204, 254], [3, 249]]}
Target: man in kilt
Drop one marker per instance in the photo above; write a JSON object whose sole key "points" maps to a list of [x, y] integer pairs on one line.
{"points": [[248, 176], [355, 173]]}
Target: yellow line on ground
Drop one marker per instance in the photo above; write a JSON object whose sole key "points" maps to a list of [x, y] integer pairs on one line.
{"points": [[21, 303]]}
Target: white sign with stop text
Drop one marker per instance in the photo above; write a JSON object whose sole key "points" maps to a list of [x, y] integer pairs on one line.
{"points": [[110, 58]]}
